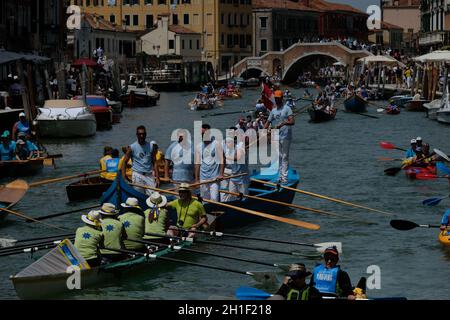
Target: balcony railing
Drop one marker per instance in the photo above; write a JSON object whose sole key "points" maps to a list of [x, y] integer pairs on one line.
{"points": [[431, 38]]}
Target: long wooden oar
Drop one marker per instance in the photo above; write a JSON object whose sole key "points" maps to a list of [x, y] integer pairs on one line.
{"points": [[5, 242], [21, 215], [63, 213], [320, 247], [195, 185], [321, 196], [178, 248], [390, 146], [221, 244], [36, 244], [433, 201], [292, 206], [259, 274], [298, 223], [224, 113], [409, 225], [81, 175]]}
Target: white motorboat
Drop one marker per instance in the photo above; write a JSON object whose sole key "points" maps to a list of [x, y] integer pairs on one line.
{"points": [[66, 119], [432, 107]]}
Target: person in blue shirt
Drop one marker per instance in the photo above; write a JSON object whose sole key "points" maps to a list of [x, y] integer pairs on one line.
{"points": [[7, 147], [282, 118], [445, 223], [31, 148], [140, 152], [21, 126], [411, 152], [330, 279]]}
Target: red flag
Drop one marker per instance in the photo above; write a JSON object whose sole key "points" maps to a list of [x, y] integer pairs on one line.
{"points": [[267, 96]]}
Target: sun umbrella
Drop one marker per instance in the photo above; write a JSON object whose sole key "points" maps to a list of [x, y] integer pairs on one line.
{"points": [[381, 59], [435, 56]]}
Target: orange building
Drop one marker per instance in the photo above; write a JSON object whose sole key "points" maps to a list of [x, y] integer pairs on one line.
{"points": [[225, 26]]}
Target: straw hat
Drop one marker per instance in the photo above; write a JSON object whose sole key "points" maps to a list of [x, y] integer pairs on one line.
{"points": [[92, 218], [298, 271], [108, 209], [156, 199], [184, 187], [131, 203]]}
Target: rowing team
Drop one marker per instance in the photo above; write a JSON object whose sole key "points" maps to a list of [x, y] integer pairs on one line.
{"points": [[21, 149], [109, 229]]}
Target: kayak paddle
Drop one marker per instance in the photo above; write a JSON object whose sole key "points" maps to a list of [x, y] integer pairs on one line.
{"points": [[392, 171], [390, 146], [441, 154], [409, 225], [433, 201], [248, 293]]}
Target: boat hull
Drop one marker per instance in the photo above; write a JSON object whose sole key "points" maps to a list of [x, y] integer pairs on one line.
{"points": [[87, 189], [444, 238], [50, 286], [411, 172], [400, 101], [103, 117], [67, 128], [355, 104], [320, 116], [21, 168], [443, 116], [416, 105]]}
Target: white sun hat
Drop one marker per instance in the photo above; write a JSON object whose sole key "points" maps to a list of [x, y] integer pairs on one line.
{"points": [[92, 218], [131, 203], [109, 209], [156, 199]]}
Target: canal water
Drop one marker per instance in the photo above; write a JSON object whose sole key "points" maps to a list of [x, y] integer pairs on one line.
{"points": [[337, 158]]}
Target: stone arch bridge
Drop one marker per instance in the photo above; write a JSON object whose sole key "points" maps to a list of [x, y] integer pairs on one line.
{"points": [[286, 62]]}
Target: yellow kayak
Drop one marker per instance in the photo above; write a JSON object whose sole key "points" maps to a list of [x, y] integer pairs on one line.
{"points": [[444, 237]]}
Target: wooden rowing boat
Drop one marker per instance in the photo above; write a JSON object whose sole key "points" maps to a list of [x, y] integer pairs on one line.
{"points": [[355, 104], [320, 115], [416, 105], [87, 189], [10, 194], [229, 218], [46, 285], [21, 168]]}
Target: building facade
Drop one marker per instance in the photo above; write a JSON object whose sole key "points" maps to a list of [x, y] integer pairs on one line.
{"points": [[168, 39], [389, 36], [405, 14], [95, 32], [435, 25], [280, 24], [34, 25], [225, 26]]}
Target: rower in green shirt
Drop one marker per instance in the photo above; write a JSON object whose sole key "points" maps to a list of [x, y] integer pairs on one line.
{"points": [[133, 222], [191, 214], [113, 233], [89, 237], [156, 218]]}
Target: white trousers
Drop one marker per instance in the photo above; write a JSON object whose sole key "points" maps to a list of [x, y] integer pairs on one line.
{"points": [[210, 191], [284, 160], [147, 180]]}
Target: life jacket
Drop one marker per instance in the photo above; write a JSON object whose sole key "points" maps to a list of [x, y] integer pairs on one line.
{"points": [[112, 233], [325, 280], [103, 165], [111, 167], [87, 240], [294, 294], [134, 227]]}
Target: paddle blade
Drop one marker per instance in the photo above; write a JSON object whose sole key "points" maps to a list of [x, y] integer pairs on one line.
{"points": [[432, 202], [248, 293], [392, 171], [322, 246], [403, 224], [386, 145], [441, 154], [425, 176], [5, 243], [441, 166]]}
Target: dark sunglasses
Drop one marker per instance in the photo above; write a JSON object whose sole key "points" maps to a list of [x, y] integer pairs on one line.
{"points": [[141, 133]]}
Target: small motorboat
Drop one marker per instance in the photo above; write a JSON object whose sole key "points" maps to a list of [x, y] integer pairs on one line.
{"points": [[65, 119], [102, 111], [416, 105], [400, 101], [432, 107]]}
